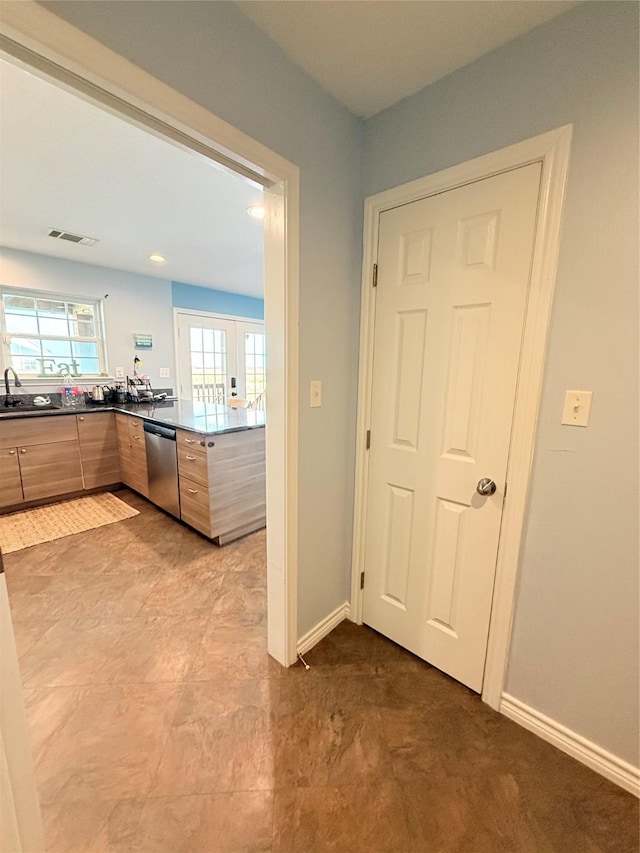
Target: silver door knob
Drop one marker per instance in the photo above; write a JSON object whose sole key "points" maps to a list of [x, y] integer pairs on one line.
{"points": [[486, 487]]}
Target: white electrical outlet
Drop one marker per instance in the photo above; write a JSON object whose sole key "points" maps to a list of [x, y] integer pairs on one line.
{"points": [[164, 373], [119, 372], [315, 393], [577, 408]]}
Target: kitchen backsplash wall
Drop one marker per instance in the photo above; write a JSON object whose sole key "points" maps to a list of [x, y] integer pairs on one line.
{"points": [[135, 304]]}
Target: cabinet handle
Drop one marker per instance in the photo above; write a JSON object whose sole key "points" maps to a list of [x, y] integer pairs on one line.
{"points": [[190, 458], [12, 453], [190, 441], [23, 450], [80, 419], [193, 491], [137, 437]]}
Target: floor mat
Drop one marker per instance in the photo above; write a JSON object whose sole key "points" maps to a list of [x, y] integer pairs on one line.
{"points": [[30, 527]]}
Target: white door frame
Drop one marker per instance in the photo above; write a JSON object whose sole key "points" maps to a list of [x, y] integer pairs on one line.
{"points": [[46, 44], [552, 150], [211, 315]]}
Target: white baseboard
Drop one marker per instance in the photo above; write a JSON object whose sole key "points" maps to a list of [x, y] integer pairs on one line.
{"points": [[326, 626], [578, 747]]}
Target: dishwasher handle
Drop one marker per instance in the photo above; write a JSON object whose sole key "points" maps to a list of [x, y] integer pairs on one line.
{"points": [[163, 432]]}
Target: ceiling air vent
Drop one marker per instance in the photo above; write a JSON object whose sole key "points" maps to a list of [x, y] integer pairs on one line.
{"points": [[72, 238]]}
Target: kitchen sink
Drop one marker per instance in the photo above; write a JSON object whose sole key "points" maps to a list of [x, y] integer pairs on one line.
{"points": [[22, 409]]}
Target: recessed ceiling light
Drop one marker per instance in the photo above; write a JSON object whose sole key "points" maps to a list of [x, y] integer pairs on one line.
{"points": [[256, 212], [157, 259]]}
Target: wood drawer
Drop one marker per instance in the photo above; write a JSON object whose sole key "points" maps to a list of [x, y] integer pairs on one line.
{"points": [[194, 505], [10, 481], [26, 431], [190, 441], [194, 466]]}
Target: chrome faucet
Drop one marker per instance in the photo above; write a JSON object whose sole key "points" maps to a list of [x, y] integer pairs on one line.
{"points": [[16, 381]]}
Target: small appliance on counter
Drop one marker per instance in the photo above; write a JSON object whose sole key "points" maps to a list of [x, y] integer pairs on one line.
{"points": [[118, 394], [100, 394]]}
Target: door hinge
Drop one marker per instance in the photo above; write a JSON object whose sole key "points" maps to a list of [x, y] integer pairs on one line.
{"points": [[505, 489], [368, 445], [361, 580], [374, 281]]}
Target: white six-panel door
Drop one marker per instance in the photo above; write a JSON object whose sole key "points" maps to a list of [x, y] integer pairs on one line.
{"points": [[453, 275]]}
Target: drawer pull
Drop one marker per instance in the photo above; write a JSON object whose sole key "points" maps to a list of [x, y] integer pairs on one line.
{"points": [[12, 453], [137, 437], [23, 450], [80, 419], [190, 458], [193, 491], [189, 441]]}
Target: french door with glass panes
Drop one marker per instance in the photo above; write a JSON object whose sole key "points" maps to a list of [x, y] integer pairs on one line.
{"points": [[219, 359]]}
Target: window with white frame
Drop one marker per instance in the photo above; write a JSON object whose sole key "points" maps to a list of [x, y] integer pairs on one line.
{"points": [[48, 335]]}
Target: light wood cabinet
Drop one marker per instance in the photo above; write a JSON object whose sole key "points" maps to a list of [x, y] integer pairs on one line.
{"points": [[222, 483], [56, 455], [133, 455], [50, 469], [98, 449], [10, 481], [221, 476], [48, 458]]}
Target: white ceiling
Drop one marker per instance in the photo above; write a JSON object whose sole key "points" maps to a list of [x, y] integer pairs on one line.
{"points": [[67, 164], [369, 55]]}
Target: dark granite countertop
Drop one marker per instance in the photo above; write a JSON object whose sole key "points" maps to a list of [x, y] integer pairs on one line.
{"points": [[192, 415]]}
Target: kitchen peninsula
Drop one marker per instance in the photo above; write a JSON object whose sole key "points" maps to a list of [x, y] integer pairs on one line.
{"points": [[63, 452]]}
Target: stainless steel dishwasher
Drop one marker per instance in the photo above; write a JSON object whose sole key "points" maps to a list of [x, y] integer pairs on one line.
{"points": [[162, 467]]}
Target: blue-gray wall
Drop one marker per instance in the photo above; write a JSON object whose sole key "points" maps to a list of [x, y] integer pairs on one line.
{"points": [[216, 301], [574, 654]]}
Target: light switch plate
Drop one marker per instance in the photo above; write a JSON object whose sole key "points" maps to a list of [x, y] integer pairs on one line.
{"points": [[315, 393], [577, 408], [164, 373], [119, 372]]}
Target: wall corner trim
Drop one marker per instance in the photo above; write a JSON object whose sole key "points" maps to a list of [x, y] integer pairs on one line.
{"points": [[324, 627], [593, 756]]}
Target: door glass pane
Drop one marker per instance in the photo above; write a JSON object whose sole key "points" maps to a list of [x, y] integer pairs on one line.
{"points": [[256, 367], [196, 339], [209, 365]]}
